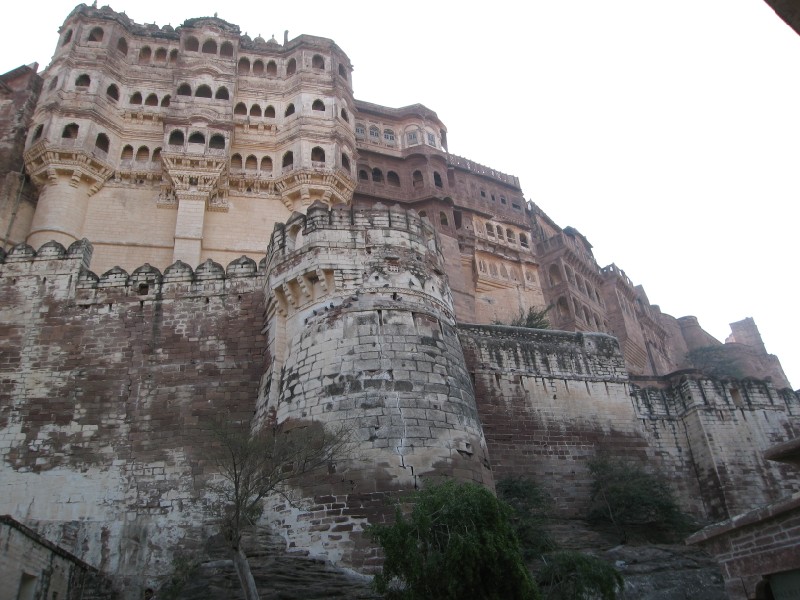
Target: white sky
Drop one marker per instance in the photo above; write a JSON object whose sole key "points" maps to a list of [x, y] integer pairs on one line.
{"points": [[668, 133]]}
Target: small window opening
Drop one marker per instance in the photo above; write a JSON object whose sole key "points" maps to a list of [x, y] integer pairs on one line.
{"points": [[122, 46], [176, 138], [96, 35], [203, 91], [269, 112], [112, 92], [291, 67], [144, 55], [152, 100], [317, 62], [197, 138], [83, 81], [226, 49], [222, 94], [289, 110], [209, 47], [255, 110], [317, 155], [272, 68], [318, 105], [101, 143], [258, 67], [244, 66], [217, 142], [136, 98], [192, 45], [240, 110], [184, 90]]}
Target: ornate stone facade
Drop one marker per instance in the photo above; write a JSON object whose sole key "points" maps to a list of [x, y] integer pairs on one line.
{"points": [[365, 265]]}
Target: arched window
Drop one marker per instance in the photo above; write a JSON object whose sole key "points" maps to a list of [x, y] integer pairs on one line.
{"points": [[555, 275], [53, 83], [269, 112], [161, 55], [317, 155], [122, 46], [203, 91], [393, 179], [318, 105], [258, 67], [173, 56], [101, 142], [423, 214], [291, 67], [317, 62], [255, 110], [240, 110], [222, 94], [377, 175], [83, 81], [217, 142], [236, 162], [67, 38], [226, 49], [345, 118], [288, 160], [523, 240], [437, 179], [165, 101], [136, 98], [266, 165], [176, 138], [360, 130], [184, 89], [272, 68], [443, 219], [192, 45], [499, 232], [156, 155], [244, 66], [388, 136], [151, 100], [563, 307], [112, 92], [489, 229], [251, 164], [197, 138], [96, 35], [342, 71], [345, 161], [144, 55], [363, 175], [37, 133], [374, 133], [209, 47], [127, 153], [289, 110], [416, 179], [143, 154]]}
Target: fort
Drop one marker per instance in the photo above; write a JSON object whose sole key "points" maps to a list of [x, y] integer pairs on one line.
{"points": [[198, 223]]}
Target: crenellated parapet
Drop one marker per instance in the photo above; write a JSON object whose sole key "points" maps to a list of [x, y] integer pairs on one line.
{"points": [[387, 253], [146, 283]]}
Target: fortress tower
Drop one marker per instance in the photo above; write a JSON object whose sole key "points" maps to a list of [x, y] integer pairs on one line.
{"points": [[361, 331]]}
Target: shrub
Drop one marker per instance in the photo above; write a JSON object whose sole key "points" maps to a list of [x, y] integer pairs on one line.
{"points": [[639, 505], [530, 507], [457, 543], [569, 575], [533, 319]]}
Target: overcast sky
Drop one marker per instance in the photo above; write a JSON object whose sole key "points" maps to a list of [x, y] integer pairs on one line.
{"points": [[668, 133]]}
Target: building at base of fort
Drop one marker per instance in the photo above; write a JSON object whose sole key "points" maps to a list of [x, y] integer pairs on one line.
{"points": [[198, 225]]}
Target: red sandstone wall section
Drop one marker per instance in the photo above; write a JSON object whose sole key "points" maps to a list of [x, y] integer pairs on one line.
{"points": [[549, 401], [715, 432], [105, 384]]}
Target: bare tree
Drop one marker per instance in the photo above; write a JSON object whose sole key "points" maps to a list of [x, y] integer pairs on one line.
{"points": [[254, 465]]}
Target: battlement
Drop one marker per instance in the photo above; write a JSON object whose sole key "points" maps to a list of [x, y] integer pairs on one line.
{"points": [[145, 282], [478, 169]]}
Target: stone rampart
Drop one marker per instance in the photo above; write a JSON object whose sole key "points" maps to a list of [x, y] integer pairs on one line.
{"points": [[362, 332], [106, 384], [550, 401]]}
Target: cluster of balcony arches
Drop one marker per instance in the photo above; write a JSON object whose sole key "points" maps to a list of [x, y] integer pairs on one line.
{"points": [[147, 56], [209, 46], [142, 155], [500, 270], [177, 138], [579, 312], [496, 232], [375, 175], [264, 164], [582, 285], [204, 91]]}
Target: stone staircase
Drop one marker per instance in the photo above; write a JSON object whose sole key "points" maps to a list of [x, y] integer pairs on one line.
{"points": [[279, 575]]}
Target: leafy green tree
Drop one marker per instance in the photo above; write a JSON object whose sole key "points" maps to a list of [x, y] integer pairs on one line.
{"points": [[457, 543], [569, 575], [638, 505], [530, 507]]}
